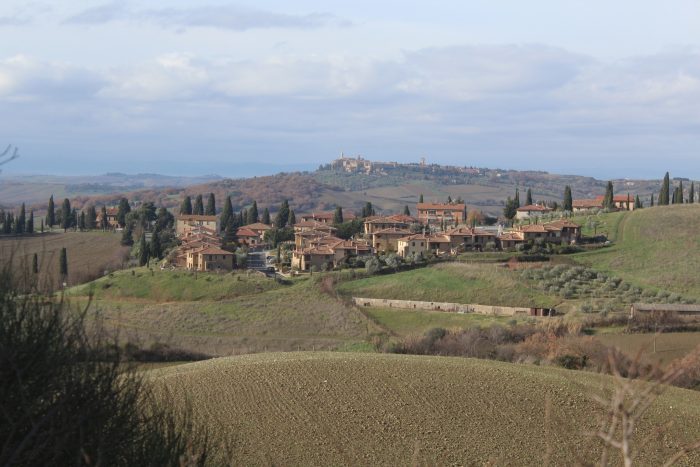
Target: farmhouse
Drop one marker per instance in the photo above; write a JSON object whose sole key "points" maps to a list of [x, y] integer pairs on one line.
{"points": [[388, 239], [468, 237], [622, 202], [186, 222], [561, 232], [580, 205], [197, 239], [326, 251], [209, 258], [509, 240], [248, 237], [412, 245], [531, 210], [259, 228], [111, 218], [437, 214]]}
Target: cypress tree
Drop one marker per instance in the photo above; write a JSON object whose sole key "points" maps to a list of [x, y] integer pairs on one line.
{"points": [[292, 218], [35, 264], [608, 200], [30, 223], [691, 195], [155, 247], [123, 209], [21, 220], [253, 216], [226, 213], [266, 217], [665, 194], [42, 225], [229, 238], [63, 263], [104, 224], [651, 203], [91, 218], [143, 250], [679, 198], [65, 215], [420, 198], [74, 218], [282, 217], [51, 213], [638, 203], [127, 236], [211, 205], [528, 199], [368, 210], [81, 221], [516, 200], [406, 211], [186, 206], [568, 199], [338, 215], [198, 208]]}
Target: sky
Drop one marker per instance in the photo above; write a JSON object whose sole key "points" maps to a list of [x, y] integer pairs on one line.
{"points": [[600, 88]]}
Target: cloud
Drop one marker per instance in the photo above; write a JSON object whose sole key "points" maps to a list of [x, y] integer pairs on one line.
{"points": [[13, 21], [236, 18], [486, 100]]}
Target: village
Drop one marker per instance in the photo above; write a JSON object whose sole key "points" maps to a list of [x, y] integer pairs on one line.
{"points": [[437, 230]]}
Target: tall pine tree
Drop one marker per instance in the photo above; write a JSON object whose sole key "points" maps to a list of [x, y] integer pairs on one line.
{"points": [[406, 211], [21, 220], [568, 199], [211, 205], [104, 222], [665, 194], [253, 216], [123, 209], [91, 218], [186, 206], [143, 250], [65, 215], [127, 235], [155, 248], [266, 217], [651, 203], [609, 198], [30, 223], [226, 213], [282, 217], [51, 213], [638, 203], [420, 198], [198, 208], [292, 218], [338, 215], [691, 194], [528, 198], [63, 264], [516, 200]]}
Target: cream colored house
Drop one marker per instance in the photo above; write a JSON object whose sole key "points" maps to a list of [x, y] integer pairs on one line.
{"points": [[412, 245], [187, 222], [531, 210]]}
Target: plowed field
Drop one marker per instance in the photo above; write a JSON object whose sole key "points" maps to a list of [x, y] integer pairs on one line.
{"points": [[374, 409]]}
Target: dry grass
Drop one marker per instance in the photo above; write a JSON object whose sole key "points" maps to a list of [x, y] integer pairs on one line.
{"points": [[89, 254], [669, 346], [351, 409]]}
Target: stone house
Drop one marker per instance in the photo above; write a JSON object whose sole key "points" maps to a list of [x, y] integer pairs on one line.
{"points": [[531, 210], [412, 245], [436, 213], [210, 258], [387, 240]]}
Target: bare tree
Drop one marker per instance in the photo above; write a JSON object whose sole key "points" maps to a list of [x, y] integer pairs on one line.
{"points": [[632, 395], [5, 156]]}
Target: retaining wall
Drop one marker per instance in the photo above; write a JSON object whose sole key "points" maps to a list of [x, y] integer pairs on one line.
{"points": [[442, 306]]}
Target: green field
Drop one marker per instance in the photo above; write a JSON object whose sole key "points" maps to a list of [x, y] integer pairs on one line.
{"points": [[654, 247], [224, 314], [319, 408], [485, 284]]}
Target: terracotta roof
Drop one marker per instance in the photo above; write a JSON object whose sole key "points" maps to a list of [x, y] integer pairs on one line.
{"points": [[617, 198], [195, 217], [444, 207], [534, 207], [564, 223], [328, 215], [413, 237], [312, 233], [439, 239], [535, 228], [587, 203], [512, 236], [257, 226], [386, 220]]}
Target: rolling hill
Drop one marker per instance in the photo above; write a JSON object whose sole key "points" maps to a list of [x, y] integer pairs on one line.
{"points": [[319, 408], [655, 247]]}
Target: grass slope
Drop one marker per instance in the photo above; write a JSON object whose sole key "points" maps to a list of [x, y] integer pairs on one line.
{"points": [[225, 314], [363, 409], [654, 247], [485, 284], [89, 253]]}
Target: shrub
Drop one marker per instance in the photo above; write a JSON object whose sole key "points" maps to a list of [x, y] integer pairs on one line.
{"points": [[66, 398]]}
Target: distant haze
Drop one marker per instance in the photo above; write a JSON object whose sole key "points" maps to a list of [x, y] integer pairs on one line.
{"points": [[185, 87]]}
